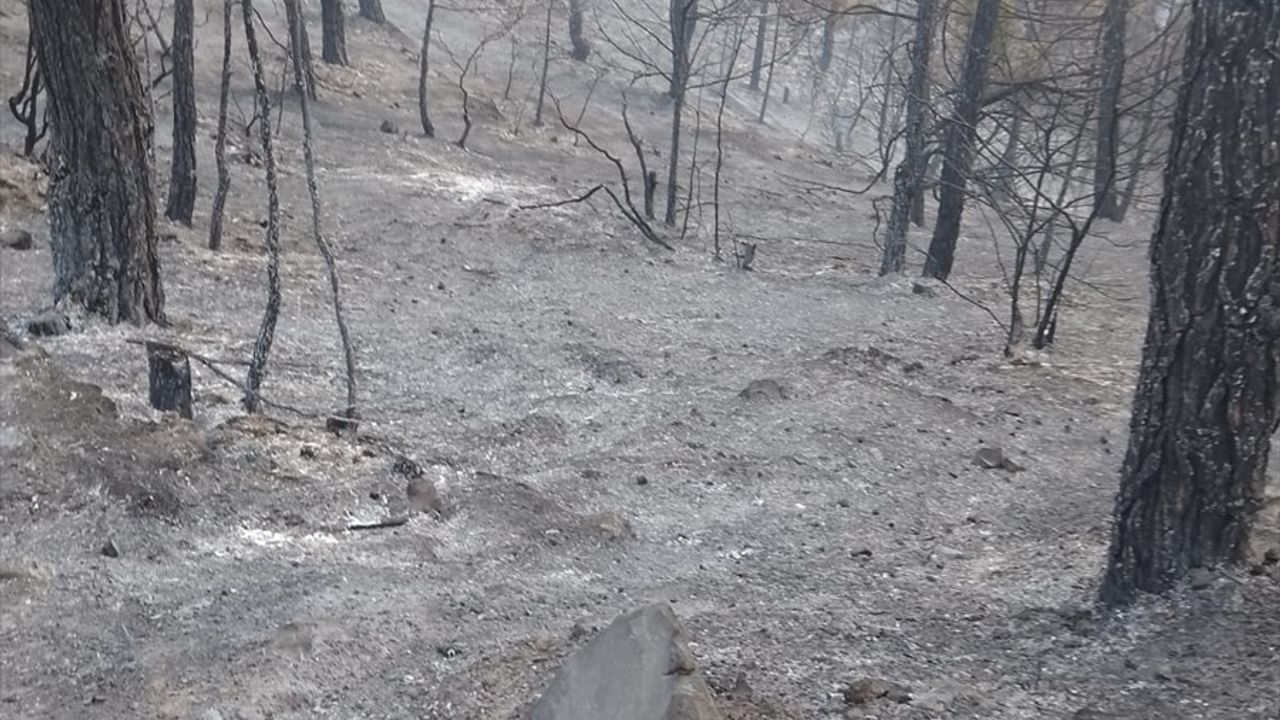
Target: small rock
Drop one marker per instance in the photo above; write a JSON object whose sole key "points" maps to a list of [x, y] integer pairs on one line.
{"points": [[900, 694], [741, 689], [764, 389], [308, 451], [863, 691], [423, 496], [577, 632], [919, 288], [389, 127], [861, 553], [610, 524], [638, 668], [1200, 578], [16, 239], [989, 458], [110, 550], [49, 324], [642, 480]]}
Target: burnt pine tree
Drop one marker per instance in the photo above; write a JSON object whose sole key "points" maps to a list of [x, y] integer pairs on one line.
{"points": [[371, 10], [958, 140], [906, 179], [300, 52], [580, 47], [683, 18], [334, 33], [762, 33], [182, 175], [424, 114], [829, 25], [102, 209], [1208, 396], [1104, 168]]}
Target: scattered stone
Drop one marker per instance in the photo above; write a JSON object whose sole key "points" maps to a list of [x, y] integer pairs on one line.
{"points": [[993, 458], [989, 458], [741, 689], [610, 524], [638, 668], [389, 128], [49, 324], [308, 451], [16, 239], [1200, 578], [861, 553], [423, 496], [867, 690], [765, 389], [577, 632], [912, 367], [110, 550], [919, 288], [642, 480]]}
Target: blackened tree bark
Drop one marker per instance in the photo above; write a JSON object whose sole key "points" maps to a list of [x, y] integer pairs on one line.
{"points": [[372, 10], [300, 51], [220, 143], [423, 115], [102, 209], [334, 48], [1208, 397], [829, 25], [762, 33], [683, 17], [546, 66], [1104, 168], [906, 179], [580, 47], [267, 329], [958, 142], [182, 176]]}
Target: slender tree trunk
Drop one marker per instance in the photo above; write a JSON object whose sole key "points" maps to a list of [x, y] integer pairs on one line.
{"points": [[182, 177], [1104, 169], [762, 33], [829, 25], [427, 128], [906, 179], [959, 134], [322, 243], [220, 145], [1208, 396], [102, 209], [581, 47], [267, 329], [773, 62], [334, 49], [546, 65], [300, 51], [683, 16], [371, 10]]}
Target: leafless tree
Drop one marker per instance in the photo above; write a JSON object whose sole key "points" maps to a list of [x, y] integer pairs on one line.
{"points": [[220, 143]]}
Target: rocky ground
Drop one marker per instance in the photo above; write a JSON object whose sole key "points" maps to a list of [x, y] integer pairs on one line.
{"points": [[797, 459]]}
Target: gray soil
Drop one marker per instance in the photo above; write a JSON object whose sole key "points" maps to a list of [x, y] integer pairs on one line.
{"points": [[788, 456]]}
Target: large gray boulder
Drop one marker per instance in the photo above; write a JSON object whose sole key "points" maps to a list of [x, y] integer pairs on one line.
{"points": [[638, 668]]}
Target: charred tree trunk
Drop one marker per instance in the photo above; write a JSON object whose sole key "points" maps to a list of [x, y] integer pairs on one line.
{"points": [[906, 179], [423, 116], [182, 176], [958, 143], [1104, 169], [580, 47], [102, 209], [220, 144], [1208, 397], [684, 14], [334, 33], [267, 329], [300, 52], [169, 379], [762, 34], [829, 25], [371, 10], [773, 62], [546, 65]]}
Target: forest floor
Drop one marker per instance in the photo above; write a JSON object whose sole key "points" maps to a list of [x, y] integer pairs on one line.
{"points": [[576, 395]]}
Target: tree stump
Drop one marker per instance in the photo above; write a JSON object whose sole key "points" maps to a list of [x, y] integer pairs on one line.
{"points": [[170, 378]]}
